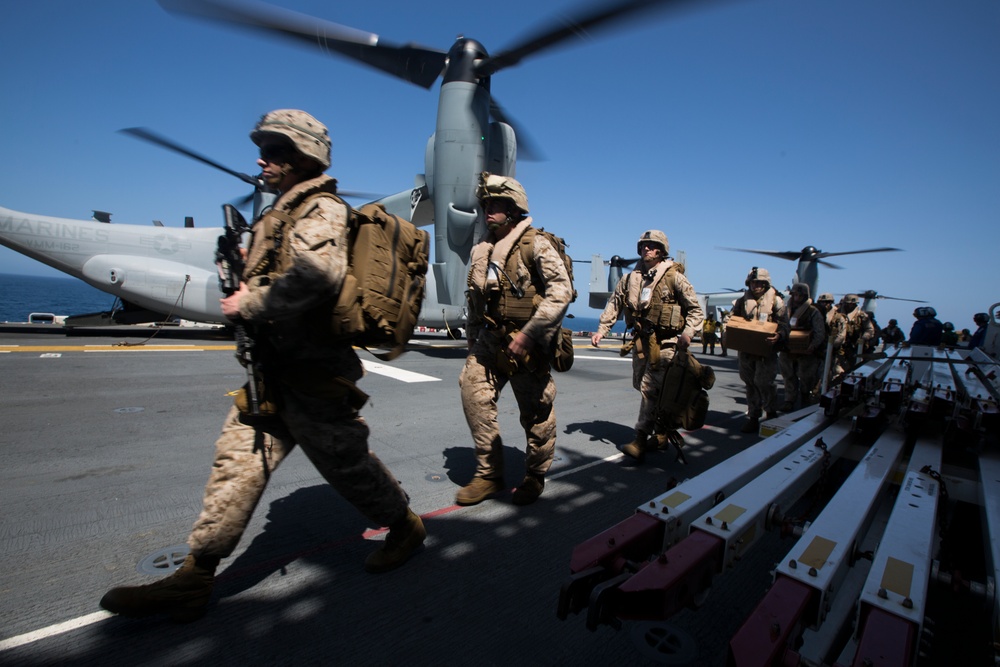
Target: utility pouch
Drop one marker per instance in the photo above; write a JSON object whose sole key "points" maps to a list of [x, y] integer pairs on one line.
{"points": [[562, 350], [267, 403]]}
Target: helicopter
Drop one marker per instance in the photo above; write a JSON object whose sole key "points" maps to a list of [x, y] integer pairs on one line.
{"points": [[809, 259], [159, 270], [870, 297]]}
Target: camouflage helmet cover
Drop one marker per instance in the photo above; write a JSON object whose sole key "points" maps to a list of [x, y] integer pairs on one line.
{"points": [[924, 311], [307, 135], [825, 297], [757, 273], [851, 298], [495, 186], [653, 236]]}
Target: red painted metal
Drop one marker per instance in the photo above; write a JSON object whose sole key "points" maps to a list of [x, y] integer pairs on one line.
{"points": [[634, 539], [774, 625], [886, 640], [670, 583]]}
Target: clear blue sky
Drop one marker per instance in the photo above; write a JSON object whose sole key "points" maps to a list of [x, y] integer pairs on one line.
{"points": [[769, 124]]}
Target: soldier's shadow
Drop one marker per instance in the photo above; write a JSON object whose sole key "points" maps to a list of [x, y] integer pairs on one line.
{"points": [[305, 523], [600, 430], [460, 463]]}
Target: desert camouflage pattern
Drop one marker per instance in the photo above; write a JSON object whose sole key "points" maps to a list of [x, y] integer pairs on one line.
{"points": [[759, 373], [332, 435], [647, 377], [482, 378], [293, 274]]}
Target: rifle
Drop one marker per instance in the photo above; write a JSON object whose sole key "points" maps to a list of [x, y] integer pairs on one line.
{"points": [[229, 259]]}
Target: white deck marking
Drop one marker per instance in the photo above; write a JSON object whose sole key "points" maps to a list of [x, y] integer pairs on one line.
{"points": [[53, 630], [397, 373]]}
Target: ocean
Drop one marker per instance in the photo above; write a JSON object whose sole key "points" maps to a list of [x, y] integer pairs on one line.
{"points": [[22, 295]]}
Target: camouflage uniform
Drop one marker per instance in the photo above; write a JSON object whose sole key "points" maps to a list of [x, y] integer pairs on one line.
{"points": [[647, 377], [758, 372], [801, 372], [851, 329], [289, 302], [487, 370]]}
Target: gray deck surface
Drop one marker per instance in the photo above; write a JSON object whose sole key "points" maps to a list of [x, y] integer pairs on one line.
{"points": [[106, 454]]}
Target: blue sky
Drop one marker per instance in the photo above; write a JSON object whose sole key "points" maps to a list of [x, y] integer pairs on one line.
{"points": [[769, 124]]}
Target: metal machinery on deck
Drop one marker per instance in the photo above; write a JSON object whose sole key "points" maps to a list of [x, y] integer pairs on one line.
{"points": [[910, 435]]}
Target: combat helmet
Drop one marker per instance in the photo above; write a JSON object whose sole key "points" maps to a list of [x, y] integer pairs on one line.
{"points": [[653, 236], [825, 297], [495, 186], [924, 311], [851, 298], [981, 319], [306, 134], [758, 274]]}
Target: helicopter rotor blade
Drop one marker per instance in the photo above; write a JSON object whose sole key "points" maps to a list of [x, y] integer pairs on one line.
{"points": [[827, 264], [169, 144], [417, 64], [771, 253], [527, 148], [581, 25], [857, 252]]}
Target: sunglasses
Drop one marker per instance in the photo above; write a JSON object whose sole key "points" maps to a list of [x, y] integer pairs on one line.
{"points": [[275, 153]]}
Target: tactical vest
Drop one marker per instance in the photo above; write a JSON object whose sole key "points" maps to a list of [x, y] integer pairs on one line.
{"points": [[272, 252], [855, 325], [664, 315], [512, 306], [270, 249]]}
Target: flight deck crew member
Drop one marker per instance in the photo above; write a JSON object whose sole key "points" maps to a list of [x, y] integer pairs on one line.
{"points": [[760, 302], [295, 269], [927, 328], [801, 370], [709, 335], [661, 306], [978, 339], [519, 291]]}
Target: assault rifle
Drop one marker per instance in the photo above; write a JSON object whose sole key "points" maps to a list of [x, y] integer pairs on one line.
{"points": [[229, 259]]}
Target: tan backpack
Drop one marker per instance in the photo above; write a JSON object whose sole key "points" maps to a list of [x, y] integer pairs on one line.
{"points": [[380, 301]]}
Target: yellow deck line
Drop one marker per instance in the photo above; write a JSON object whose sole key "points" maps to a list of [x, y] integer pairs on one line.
{"points": [[36, 349]]}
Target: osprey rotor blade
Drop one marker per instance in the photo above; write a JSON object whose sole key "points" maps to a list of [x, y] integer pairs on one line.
{"points": [[527, 148], [790, 255], [169, 144], [580, 25], [857, 252], [417, 64]]}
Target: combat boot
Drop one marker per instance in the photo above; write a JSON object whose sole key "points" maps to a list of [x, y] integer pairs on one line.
{"points": [[478, 490], [528, 490], [183, 595], [637, 448], [787, 406], [751, 425], [404, 538]]}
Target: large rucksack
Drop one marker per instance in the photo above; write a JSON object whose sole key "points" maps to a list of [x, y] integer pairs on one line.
{"points": [[387, 270], [561, 352]]}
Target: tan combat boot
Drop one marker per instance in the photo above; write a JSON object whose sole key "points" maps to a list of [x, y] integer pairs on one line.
{"points": [[404, 538], [184, 594], [637, 448], [478, 490], [528, 490]]}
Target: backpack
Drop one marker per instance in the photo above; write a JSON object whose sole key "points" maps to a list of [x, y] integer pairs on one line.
{"points": [[561, 352], [387, 267], [683, 397]]}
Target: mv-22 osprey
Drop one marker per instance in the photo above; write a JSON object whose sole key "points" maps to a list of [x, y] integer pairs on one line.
{"points": [[164, 270]]}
